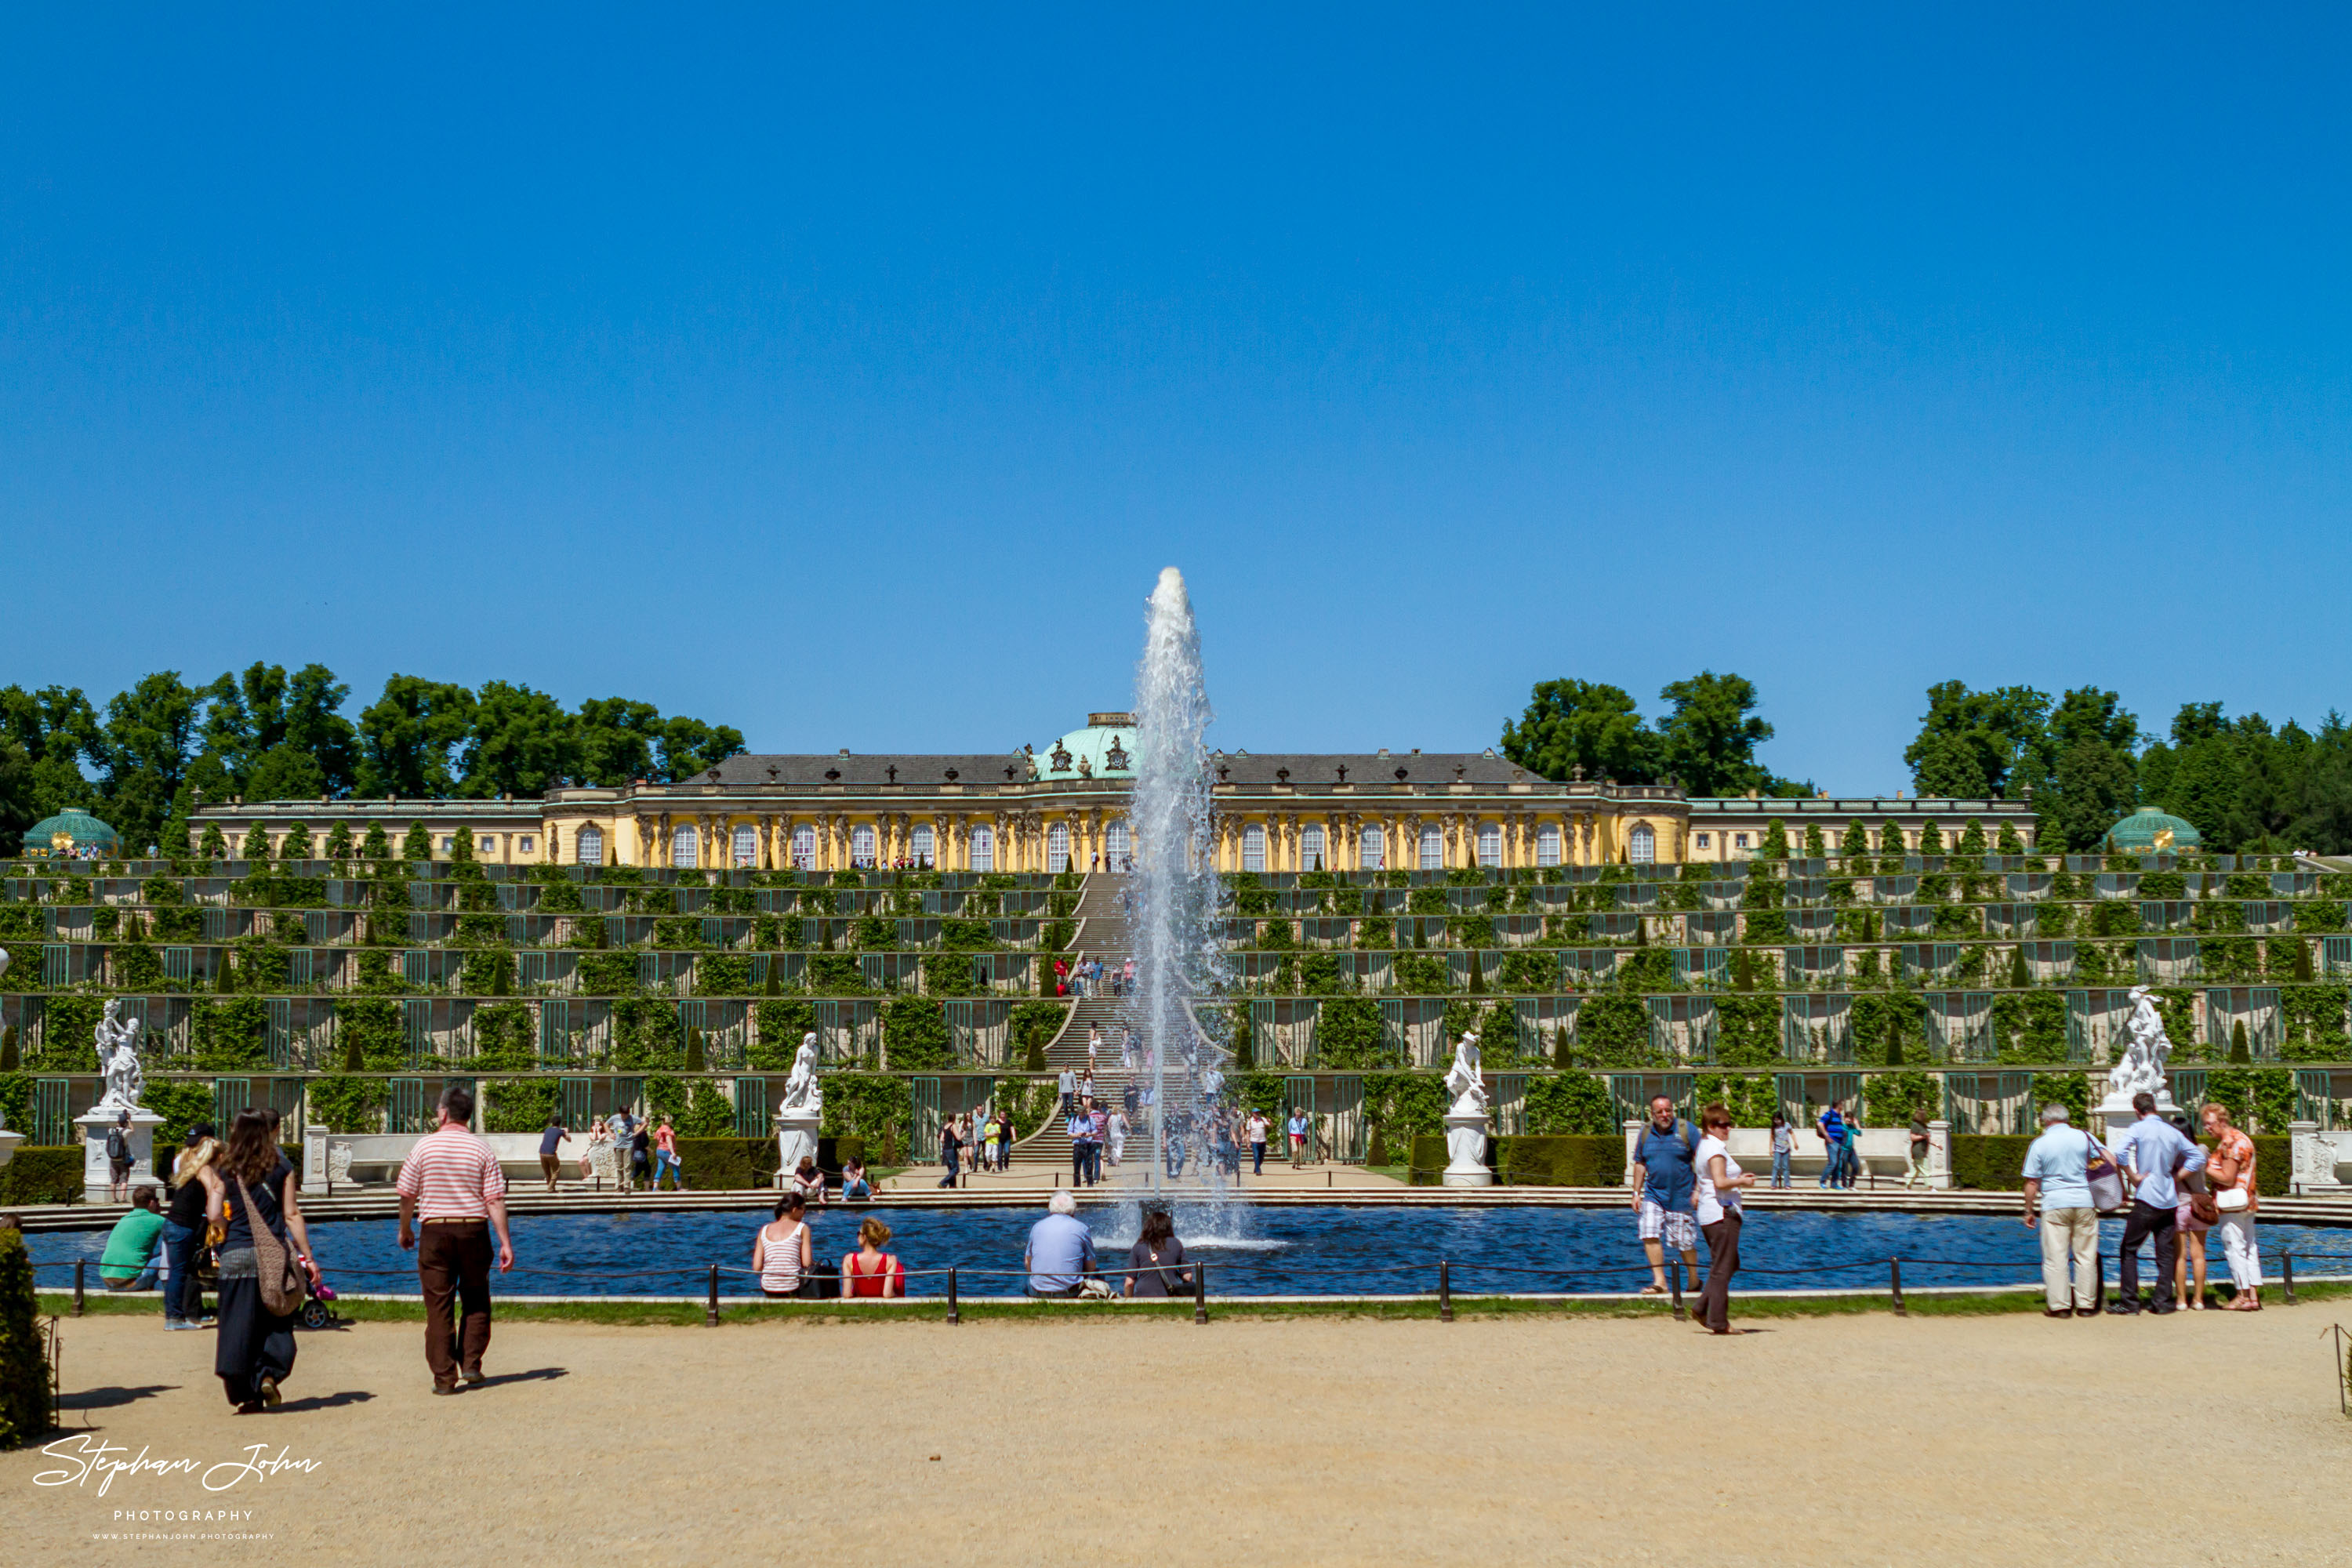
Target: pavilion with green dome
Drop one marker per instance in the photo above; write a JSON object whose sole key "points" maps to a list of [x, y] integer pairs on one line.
{"points": [[71, 834], [2147, 828]]}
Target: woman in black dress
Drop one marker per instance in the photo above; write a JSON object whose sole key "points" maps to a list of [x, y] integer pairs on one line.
{"points": [[256, 1349]]}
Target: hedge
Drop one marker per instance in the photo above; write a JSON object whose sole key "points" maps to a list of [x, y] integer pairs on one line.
{"points": [[1428, 1160], [23, 1369], [727, 1164], [1561, 1160], [1997, 1164], [43, 1176]]}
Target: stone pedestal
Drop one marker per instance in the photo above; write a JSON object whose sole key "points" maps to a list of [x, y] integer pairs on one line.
{"points": [[8, 1142], [795, 1141], [314, 1161], [2114, 1115], [1466, 1147], [96, 1176]]}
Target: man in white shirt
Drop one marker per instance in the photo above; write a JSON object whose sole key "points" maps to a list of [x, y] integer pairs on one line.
{"points": [[2058, 1195]]}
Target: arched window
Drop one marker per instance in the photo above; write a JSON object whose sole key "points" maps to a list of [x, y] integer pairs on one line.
{"points": [[921, 849], [1117, 845], [984, 848], [804, 847], [684, 845], [747, 844], [1432, 848], [588, 846], [1490, 843], [861, 845], [1641, 844], [1253, 848], [1057, 847], [1547, 844], [1311, 849], [1375, 851]]}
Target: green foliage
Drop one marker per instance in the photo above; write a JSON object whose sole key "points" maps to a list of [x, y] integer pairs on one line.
{"points": [[1774, 846], [1348, 1035], [24, 1364], [1420, 974], [348, 1104], [1988, 1164], [1575, 724], [416, 846], [1571, 1103], [1888, 1099], [1612, 1030], [872, 1106], [780, 1024], [503, 1039], [1402, 1105], [521, 1104], [182, 1103], [914, 1035], [1561, 1160], [67, 1035], [1031, 1027], [42, 1175], [722, 974], [608, 973]]}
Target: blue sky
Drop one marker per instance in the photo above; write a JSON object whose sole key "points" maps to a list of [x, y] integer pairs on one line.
{"points": [[849, 377]]}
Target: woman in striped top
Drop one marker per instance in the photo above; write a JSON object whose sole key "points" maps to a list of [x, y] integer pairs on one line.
{"points": [[781, 1253]]}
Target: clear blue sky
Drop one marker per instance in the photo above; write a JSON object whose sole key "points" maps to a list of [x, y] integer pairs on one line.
{"points": [[848, 375]]}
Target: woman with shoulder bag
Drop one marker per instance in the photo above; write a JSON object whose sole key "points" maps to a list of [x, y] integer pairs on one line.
{"points": [[254, 1353], [2230, 1170]]}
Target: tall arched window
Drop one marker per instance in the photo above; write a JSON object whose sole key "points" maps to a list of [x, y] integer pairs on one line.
{"points": [[1490, 843], [684, 846], [984, 849], [1118, 846], [1375, 851], [1311, 857], [1057, 847], [861, 845], [921, 849], [588, 846], [804, 847], [747, 844], [1547, 844], [1641, 844], [1432, 848], [1253, 848]]}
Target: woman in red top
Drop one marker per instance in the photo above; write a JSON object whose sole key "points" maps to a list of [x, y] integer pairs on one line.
{"points": [[869, 1270]]}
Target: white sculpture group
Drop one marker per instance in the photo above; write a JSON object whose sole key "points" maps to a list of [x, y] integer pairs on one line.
{"points": [[802, 1111], [117, 1061], [2141, 1068], [1465, 1123]]}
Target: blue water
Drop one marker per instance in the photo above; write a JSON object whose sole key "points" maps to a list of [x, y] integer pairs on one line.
{"points": [[1327, 1251]]}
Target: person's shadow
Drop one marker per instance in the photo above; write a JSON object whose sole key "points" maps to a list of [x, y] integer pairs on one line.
{"points": [[325, 1401], [537, 1375], [107, 1398]]}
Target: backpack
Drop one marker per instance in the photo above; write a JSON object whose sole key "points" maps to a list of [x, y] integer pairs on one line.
{"points": [[1682, 1131], [117, 1146]]}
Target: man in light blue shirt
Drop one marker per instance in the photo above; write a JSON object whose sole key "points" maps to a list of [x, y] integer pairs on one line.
{"points": [[2058, 1185], [2152, 1152], [1061, 1249]]}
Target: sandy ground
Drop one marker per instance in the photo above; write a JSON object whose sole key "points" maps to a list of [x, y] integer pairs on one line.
{"points": [[1847, 1441]]}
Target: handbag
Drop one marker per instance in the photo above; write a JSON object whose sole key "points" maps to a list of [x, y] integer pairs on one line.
{"points": [[284, 1285], [2106, 1181], [2230, 1200]]}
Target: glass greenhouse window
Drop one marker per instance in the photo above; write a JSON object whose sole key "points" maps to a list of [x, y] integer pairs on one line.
{"points": [[1547, 845], [1253, 848], [1642, 847], [685, 848], [1490, 843], [1432, 849], [747, 844], [1375, 851]]}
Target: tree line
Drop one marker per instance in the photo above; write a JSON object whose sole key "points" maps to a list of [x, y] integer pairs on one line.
{"points": [[143, 762], [2081, 758]]}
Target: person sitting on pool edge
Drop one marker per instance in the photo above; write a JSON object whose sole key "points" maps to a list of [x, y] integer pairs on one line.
{"points": [[853, 1183], [809, 1182], [1061, 1252]]}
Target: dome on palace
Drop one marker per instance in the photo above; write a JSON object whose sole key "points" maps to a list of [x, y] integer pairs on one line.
{"points": [[1104, 749], [71, 831], [2143, 828]]}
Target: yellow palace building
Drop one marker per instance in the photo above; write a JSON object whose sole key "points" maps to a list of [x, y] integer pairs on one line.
{"points": [[1047, 810]]}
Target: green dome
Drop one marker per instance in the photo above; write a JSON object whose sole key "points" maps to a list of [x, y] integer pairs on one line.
{"points": [[70, 831], [2141, 829]]}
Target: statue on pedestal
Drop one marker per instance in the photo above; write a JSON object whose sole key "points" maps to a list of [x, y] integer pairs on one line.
{"points": [[803, 1095], [1465, 1080], [1465, 1123], [118, 1060], [2141, 1070]]}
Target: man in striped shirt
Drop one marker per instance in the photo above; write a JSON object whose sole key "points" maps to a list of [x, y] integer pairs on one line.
{"points": [[451, 1188]]}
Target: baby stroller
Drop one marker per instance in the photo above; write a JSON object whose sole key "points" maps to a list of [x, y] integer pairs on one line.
{"points": [[318, 1312]]}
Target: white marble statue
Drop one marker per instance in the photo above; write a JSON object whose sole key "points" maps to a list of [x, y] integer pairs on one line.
{"points": [[339, 1163], [118, 1060], [1465, 1081], [802, 1093], [2141, 1070]]}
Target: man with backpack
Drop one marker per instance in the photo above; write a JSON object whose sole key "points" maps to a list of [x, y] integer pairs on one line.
{"points": [[1832, 1127], [118, 1159], [1664, 1183]]}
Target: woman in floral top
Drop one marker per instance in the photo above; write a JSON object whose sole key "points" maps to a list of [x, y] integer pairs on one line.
{"points": [[2231, 1168]]}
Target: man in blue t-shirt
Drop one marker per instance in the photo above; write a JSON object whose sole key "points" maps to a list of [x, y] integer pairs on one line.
{"points": [[1832, 1127], [1664, 1181]]}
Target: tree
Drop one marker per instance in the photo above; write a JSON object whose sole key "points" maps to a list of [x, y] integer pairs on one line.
{"points": [[408, 735], [1573, 723], [16, 795], [298, 843], [417, 843], [142, 752], [292, 726], [523, 742], [1971, 743], [55, 727], [1710, 741], [1857, 842], [613, 741], [2095, 779], [688, 746]]}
